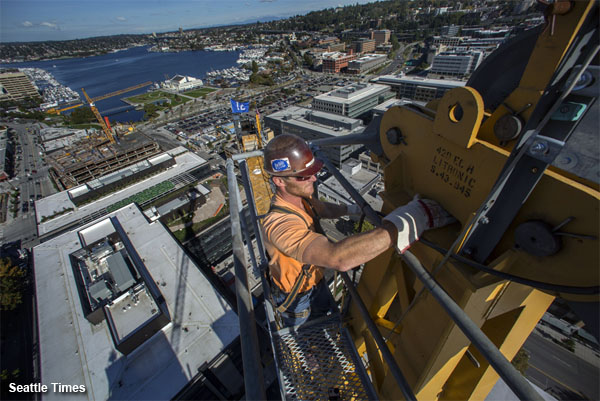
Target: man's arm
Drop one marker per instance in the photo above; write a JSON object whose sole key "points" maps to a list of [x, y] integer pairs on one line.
{"points": [[400, 228], [327, 210], [352, 251]]}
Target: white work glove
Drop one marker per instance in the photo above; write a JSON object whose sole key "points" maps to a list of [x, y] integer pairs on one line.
{"points": [[415, 217], [353, 210]]}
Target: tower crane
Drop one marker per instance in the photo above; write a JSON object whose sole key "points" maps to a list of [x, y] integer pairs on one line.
{"points": [[513, 156], [99, 117], [101, 97]]}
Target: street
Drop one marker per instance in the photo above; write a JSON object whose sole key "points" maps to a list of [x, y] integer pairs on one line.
{"points": [[31, 178], [559, 371]]}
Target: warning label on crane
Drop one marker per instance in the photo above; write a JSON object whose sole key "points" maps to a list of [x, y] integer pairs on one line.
{"points": [[451, 169]]}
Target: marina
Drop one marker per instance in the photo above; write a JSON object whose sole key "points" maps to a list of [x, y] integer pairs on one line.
{"points": [[54, 94]]}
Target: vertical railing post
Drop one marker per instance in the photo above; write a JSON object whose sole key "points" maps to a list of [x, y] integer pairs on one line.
{"points": [[253, 372]]}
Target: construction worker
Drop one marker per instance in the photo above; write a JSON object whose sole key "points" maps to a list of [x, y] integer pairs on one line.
{"points": [[294, 240]]}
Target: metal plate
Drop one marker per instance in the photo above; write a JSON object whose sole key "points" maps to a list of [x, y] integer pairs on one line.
{"points": [[319, 363]]}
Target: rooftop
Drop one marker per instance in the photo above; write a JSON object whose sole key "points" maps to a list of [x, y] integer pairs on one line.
{"points": [[420, 80], [326, 123], [351, 93], [50, 207], [75, 351]]}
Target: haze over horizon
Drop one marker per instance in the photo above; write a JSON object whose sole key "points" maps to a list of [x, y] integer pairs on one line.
{"points": [[35, 20]]}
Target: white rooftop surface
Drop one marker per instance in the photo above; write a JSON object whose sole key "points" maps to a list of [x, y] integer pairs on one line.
{"points": [[52, 204], [127, 318], [369, 57], [298, 117], [73, 351], [421, 80], [339, 96]]}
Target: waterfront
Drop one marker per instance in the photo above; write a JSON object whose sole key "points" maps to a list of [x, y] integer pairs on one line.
{"points": [[110, 72]]}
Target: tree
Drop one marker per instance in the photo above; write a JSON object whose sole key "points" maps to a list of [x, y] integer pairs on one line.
{"points": [[308, 59], [366, 226], [521, 361], [12, 281], [82, 115], [254, 67], [394, 42], [150, 111]]}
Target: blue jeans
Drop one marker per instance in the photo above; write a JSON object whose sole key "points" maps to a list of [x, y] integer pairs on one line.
{"points": [[318, 299]]}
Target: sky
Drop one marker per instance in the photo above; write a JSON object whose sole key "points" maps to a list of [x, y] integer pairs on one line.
{"points": [[34, 20]]}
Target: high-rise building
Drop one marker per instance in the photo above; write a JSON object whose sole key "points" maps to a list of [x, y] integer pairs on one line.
{"points": [[364, 45], [311, 124], [353, 100], [16, 86], [381, 36]]}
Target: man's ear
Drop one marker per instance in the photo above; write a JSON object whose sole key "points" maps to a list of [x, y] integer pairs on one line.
{"points": [[278, 181]]}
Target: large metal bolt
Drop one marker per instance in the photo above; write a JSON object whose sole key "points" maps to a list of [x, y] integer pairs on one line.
{"points": [[539, 148], [395, 137], [484, 220]]}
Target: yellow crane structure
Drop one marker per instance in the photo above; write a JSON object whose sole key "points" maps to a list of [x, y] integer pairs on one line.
{"points": [[105, 128], [514, 156], [105, 96]]}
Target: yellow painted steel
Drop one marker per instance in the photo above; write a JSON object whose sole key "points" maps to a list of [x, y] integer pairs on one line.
{"points": [[99, 118], [450, 154], [259, 180], [106, 96]]}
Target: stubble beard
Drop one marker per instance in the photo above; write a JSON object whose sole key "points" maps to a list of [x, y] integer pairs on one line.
{"points": [[301, 191]]}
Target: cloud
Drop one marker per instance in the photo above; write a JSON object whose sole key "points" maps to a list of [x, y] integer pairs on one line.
{"points": [[121, 19], [27, 24], [50, 25], [267, 1]]}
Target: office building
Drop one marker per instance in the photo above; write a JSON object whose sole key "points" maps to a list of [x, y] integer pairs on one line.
{"points": [[417, 88], [456, 64], [334, 62], [381, 36], [364, 45], [311, 124], [123, 311], [366, 63], [16, 86], [353, 100]]}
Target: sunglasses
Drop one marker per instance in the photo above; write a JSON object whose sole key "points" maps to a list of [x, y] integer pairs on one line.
{"points": [[301, 178]]}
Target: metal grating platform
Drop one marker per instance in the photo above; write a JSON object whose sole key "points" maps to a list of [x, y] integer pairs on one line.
{"points": [[319, 362]]}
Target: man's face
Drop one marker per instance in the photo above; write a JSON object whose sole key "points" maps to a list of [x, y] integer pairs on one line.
{"points": [[303, 189]]}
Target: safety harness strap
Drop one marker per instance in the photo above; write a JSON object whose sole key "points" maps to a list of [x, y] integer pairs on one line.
{"points": [[305, 274]]}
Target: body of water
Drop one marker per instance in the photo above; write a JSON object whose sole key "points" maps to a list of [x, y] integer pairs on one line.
{"points": [[114, 71]]}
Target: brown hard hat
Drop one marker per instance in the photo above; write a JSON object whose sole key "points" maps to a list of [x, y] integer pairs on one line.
{"points": [[289, 155]]}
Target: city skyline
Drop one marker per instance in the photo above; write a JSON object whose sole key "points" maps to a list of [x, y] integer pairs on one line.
{"points": [[34, 20]]}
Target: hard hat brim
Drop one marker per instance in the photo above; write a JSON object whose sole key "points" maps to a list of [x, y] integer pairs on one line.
{"points": [[312, 170]]}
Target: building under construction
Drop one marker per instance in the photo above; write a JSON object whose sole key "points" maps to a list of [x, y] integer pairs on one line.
{"points": [[90, 156]]}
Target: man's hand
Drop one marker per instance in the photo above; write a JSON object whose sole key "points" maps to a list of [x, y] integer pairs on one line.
{"points": [[414, 218]]}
